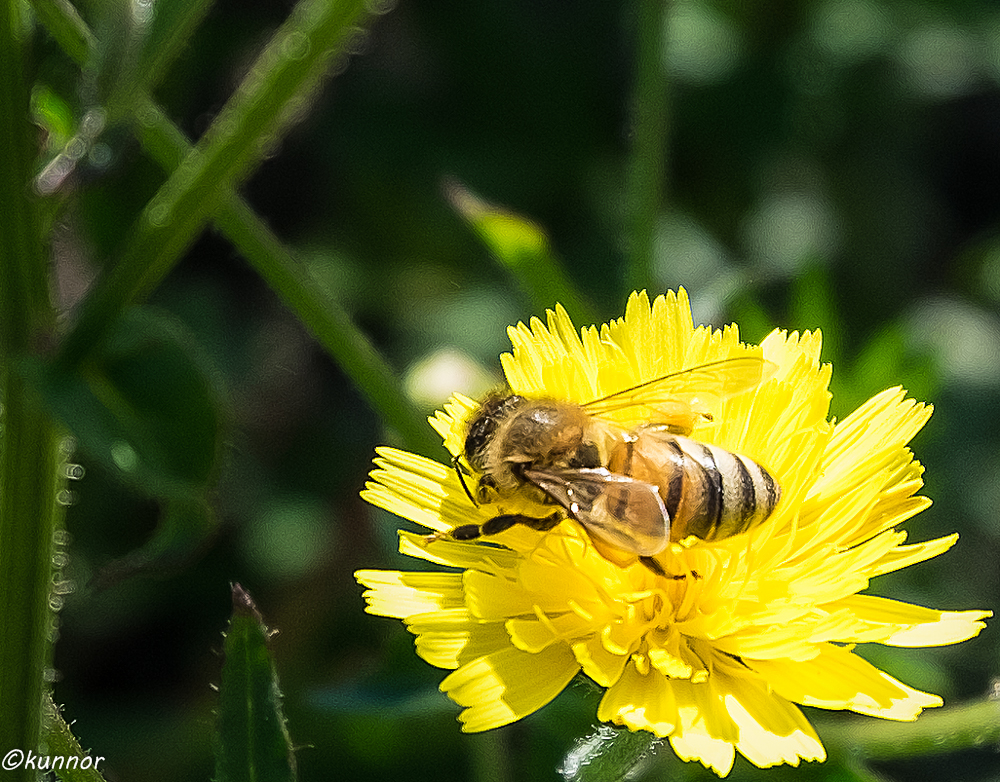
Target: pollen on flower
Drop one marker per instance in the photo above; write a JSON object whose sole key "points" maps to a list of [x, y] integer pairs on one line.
{"points": [[714, 639]]}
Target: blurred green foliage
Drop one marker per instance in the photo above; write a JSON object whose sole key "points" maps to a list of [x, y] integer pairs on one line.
{"points": [[831, 164]]}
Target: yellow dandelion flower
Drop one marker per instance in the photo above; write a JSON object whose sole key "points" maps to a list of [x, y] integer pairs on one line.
{"points": [[711, 643]]}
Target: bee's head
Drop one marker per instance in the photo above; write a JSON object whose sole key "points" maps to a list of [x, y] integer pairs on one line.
{"points": [[494, 410]]}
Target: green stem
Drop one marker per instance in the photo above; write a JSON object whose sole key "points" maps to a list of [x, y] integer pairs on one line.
{"points": [[647, 163], [289, 69], [959, 727], [29, 456], [319, 312], [28, 486], [490, 755], [70, 31], [331, 325], [175, 24]]}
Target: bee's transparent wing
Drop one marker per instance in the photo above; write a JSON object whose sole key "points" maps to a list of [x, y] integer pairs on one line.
{"points": [[616, 509], [701, 386]]}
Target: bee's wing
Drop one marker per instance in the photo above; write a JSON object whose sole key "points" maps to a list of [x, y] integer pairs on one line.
{"points": [[616, 509], [703, 385]]}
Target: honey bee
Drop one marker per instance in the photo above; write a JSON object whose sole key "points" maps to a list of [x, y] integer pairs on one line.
{"points": [[635, 489]]}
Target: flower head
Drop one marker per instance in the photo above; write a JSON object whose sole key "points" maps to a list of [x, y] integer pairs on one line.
{"points": [[712, 644]]}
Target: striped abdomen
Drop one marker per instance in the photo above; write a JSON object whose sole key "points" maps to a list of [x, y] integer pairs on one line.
{"points": [[708, 491]]}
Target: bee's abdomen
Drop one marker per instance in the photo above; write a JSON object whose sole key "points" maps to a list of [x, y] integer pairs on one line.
{"points": [[723, 493], [707, 491]]}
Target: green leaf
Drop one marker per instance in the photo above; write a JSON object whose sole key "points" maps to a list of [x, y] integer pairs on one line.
{"points": [[252, 740], [610, 754], [524, 249], [143, 405], [607, 755], [155, 372], [60, 742], [54, 115]]}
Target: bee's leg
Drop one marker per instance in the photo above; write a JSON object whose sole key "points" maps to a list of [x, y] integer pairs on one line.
{"points": [[542, 525], [655, 566], [462, 471], [498, 524]]}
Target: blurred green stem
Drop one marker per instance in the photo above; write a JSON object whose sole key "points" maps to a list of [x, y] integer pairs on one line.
{"points": [[289, 69], [647, 163], [318, 311], [181, 22], [955, 728], [491, 756], [65, 25], [29, 457]]}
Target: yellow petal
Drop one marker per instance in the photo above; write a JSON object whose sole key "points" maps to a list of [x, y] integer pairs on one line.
{"points": [[535, 633], [839, 679], [603, 666], [461, 554], [714, 754], [507, 685], [419, 489], [771, 730], [451, 422], [640, 701], [797, 639], [392, 593], [868, 440], [912, 625], [904, 556], [765, 745], [448, 639], [671, 655]]}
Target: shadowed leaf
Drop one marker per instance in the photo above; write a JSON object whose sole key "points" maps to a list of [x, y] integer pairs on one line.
{"points": [[252, 742]]}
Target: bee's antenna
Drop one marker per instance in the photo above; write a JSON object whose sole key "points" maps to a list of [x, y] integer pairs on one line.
{"points": [[462, 472]]}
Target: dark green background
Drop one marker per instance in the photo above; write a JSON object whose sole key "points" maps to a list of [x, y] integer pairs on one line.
{"points": [[831, 165]]}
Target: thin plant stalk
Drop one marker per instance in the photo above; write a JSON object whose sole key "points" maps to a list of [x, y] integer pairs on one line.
{"points": [[644, 185], [29, 455]]}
